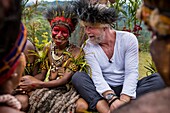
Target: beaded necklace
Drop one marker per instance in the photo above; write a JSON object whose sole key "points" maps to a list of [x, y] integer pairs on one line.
{"points": [[57, 60]]}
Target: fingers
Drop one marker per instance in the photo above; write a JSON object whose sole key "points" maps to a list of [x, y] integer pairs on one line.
{"points": [[25, 88], [18, 90], [116, 104]]}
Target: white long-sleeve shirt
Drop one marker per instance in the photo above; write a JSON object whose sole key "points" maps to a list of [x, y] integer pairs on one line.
{"points": [[124, 67]]}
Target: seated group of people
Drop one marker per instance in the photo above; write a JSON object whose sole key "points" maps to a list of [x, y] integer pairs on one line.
{"points": [[101, 77]]}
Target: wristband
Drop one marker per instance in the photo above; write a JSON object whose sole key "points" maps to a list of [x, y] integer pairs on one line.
{"points": [[113, 100]]}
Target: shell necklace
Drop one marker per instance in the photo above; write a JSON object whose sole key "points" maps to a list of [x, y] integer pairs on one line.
{"points": [[56, 59]]}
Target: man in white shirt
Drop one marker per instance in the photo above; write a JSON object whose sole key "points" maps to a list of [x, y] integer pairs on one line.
{"points": [[113, 58]]}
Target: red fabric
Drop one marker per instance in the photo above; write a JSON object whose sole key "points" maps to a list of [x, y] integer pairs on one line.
{"points": [[6, 76], [9, 63]]}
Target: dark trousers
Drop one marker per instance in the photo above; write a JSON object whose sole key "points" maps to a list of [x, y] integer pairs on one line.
{"points": [[85, 87]]}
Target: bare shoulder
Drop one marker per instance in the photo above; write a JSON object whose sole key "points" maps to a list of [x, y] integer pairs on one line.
{"points": [[29, 45], [76, 50], [47, 48], [6, 109]]}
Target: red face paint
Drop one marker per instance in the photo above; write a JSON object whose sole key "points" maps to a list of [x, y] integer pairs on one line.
{"points": [[60, 34]]}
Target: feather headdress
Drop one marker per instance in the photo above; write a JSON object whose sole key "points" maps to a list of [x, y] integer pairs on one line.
{"points": [[64, 15], [95, 14]]}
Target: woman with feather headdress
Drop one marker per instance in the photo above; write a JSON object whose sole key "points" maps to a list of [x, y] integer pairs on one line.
{"points": [[62, 59]]}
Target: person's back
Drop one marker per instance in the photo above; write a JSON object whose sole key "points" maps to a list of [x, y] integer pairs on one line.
{"points": [[12, 61]]}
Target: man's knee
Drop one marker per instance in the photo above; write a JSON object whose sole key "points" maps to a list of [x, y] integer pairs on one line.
{"points": [[75, 77], [158, 81], [24, 100], [81, 106], [150, 83], [78, 77]]}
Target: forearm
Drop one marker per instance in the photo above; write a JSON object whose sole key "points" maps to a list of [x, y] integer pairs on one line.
{"points": [[41, 76], [131, 68], [116, 102], [54, 83], [58, 82], [130, 84], [125, 98]]}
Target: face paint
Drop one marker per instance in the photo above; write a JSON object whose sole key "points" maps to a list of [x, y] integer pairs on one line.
{"points": [[60, 34]]}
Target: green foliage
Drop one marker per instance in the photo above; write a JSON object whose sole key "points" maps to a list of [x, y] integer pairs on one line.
{"points": [[128, 21], [78, 63], [38, 29], [143, 56], [144, 46], [41, 57], [151, 69], [39, 33], [127, 11]]}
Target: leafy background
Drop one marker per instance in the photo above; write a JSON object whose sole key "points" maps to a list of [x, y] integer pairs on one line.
{"points": [[39, 29]]}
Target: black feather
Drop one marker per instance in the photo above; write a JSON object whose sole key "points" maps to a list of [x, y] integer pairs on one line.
{"points": [[66, 11], [95, 13]]}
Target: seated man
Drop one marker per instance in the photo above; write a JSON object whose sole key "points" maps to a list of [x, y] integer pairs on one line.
{"points": [[62, 59], [113, 58]]}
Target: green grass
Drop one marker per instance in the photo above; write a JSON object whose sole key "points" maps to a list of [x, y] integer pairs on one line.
{"points": [[143, 57]]}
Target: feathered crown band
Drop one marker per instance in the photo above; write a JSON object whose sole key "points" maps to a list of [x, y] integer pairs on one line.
{"points": [[62, 15]]}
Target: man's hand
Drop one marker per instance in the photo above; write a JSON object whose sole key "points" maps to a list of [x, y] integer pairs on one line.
{"points": [[117, 103], [28, 83]]}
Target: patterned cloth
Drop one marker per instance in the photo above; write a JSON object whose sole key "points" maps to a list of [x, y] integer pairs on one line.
{"points": [[9, 63]]}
